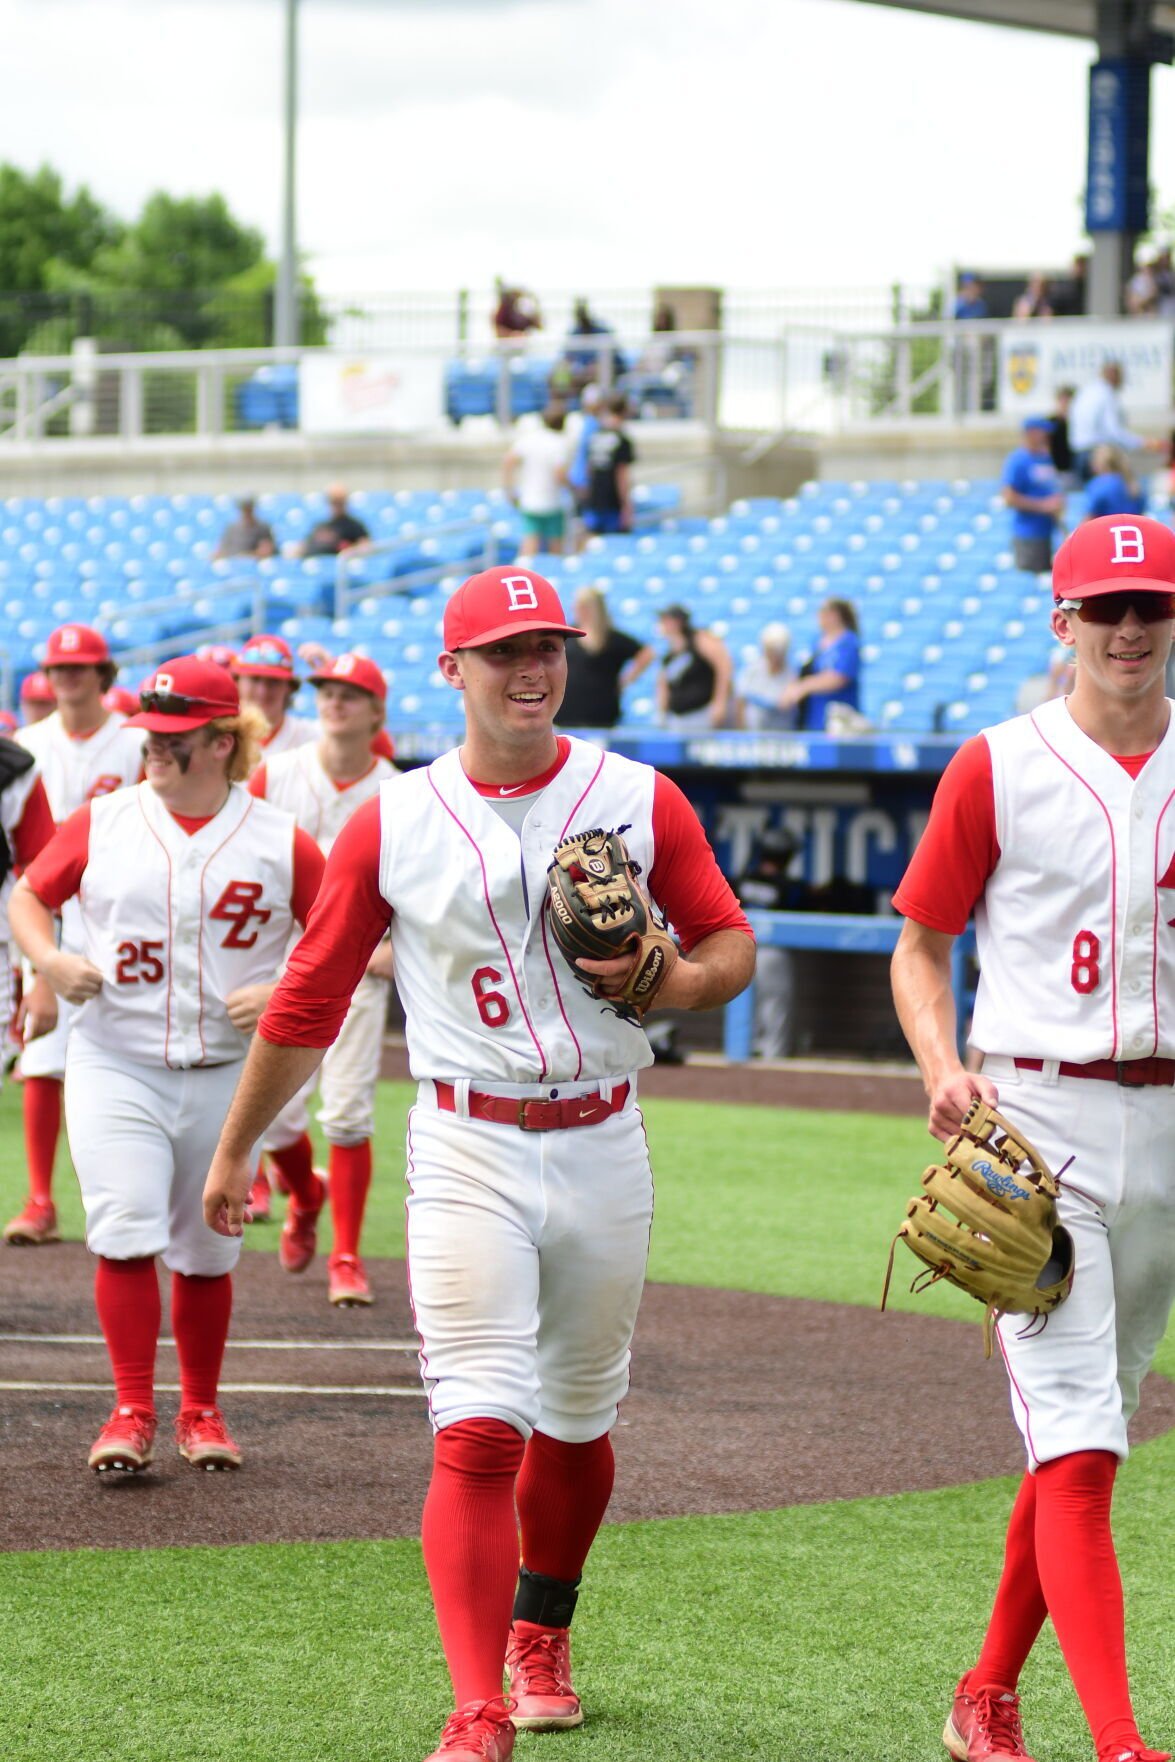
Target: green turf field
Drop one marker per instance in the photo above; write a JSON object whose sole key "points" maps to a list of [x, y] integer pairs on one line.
{"points": [[828, 1633]]}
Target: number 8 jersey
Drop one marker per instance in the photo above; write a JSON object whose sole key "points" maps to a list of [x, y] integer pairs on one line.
{"points": [[1067, 856]]}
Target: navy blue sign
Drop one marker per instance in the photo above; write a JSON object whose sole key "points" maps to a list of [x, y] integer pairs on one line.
{"points": [[1116, 195]]}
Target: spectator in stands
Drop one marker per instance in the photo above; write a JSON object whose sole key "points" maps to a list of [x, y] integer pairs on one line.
{"points": [[341, 532], [1141, 294], [1032, 491], [1097, 417], [969, 300], [760, 685], [607, 503], [1069, 291], [37, 698], [1035, 301], [832, 672], [585, 365], [1165, 282], [515, 313], [534, 472], [246, 536], [697, 674], [1038, 688], [1060, 448], [587, 420], [601, 665], [1112, 487]]}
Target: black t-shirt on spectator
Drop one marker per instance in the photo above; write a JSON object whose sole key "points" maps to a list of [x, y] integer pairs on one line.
{"points": [[592, 698], [608, 450], [329, 537]]}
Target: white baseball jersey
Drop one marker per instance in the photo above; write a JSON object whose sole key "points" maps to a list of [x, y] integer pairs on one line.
{"points": [[78, 770], [486, 993], [297, 782], [1076, 947], [295, 731], [176, 922]]}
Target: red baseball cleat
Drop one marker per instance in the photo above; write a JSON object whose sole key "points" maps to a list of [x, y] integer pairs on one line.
{"points": [[984, 1726], [539, 1662], [125, 1442], [1139, 1753], [299, 1238], [348, 1281], [36, 1224], [481, 1731], [260, 1199], [205, 1441]]}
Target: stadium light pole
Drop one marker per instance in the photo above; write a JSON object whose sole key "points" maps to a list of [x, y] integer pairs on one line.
{"points": [[285, 308]]}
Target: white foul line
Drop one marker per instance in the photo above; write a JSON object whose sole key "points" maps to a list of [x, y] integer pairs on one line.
{"points": [[401, 1392], [240, 1345]]}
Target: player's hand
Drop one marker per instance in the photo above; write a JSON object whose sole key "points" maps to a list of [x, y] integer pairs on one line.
{"points": [[951, 1098], [381, 965], [314, 654], [36, 1013], [246, 1005], [225, 1194], [72, 976]]}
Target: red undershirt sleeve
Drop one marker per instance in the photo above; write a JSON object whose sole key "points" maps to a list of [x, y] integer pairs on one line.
{"points": [[685, 879], [35, 827], [56, 874], [258, 783], [309, 864], [958, 850], [345, 925]]}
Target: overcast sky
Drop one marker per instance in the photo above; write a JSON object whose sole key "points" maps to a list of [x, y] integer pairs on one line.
{"points": [[567, 143]]}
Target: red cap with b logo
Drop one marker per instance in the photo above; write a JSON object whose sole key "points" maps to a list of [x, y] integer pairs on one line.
{"points": [[1113, 553], [357, 670], [184, 694], [503, 602], [75, 645]]}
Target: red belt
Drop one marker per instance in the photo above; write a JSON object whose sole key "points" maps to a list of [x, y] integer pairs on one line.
{"points": [[533, 1115], [1132, 1073]]}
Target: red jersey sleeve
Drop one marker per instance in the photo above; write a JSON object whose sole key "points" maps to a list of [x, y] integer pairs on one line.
{"points": [[346, 922], [958, 850], [309, 864], [258, 783], [56, 874], [35, 827], [685, 879]]}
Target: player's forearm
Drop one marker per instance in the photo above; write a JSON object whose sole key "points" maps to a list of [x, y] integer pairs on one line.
{"points": [[925, 1003], [717, 969], [32, 926], [271, 1077]]}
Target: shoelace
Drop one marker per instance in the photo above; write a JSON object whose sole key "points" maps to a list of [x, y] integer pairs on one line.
{"points": [[541, 1662], [462, 1723], [998, 1716]]}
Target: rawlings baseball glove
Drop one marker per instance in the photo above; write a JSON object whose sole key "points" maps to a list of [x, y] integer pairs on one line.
{"points": [[599, 910], [1003, 1244]]}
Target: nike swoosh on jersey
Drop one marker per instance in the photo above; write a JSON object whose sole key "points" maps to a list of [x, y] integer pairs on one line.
{"points": [[516, 790]]}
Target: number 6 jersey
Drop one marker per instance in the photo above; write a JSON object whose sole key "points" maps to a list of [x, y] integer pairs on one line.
{"points": [[1067, 856], [176, 914]]}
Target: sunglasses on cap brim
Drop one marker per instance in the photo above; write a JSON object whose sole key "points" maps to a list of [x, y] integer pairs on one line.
{"points": [[173, 703], [1111, 608]]}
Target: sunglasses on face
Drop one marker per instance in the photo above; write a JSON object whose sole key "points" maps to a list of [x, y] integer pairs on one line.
{"points": [[1111, 608], [173, 703]]}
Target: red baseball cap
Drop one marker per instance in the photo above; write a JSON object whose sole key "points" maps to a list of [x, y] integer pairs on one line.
{"points": [[75, 645], [266, 657], [353, 670], [36, 689], [121, 699], [1114, 552], [184, 694], [8, 722], [505, 601], [223, 653]]}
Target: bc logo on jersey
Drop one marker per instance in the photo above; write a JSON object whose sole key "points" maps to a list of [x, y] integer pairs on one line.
{"points": [[997, 1182], [237, 907]]}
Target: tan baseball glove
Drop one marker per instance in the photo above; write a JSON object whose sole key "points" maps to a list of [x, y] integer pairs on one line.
{"points": [[599, 911], [1003, 1244]]}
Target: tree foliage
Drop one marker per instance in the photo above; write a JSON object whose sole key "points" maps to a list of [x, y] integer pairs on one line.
{"points": [[186, 270]]}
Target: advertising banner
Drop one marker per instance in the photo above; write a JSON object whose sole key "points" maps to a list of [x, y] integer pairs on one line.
{"points": [[370, 394], [1038, 356]]}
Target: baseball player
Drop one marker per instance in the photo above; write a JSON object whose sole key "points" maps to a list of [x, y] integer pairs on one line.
{"points": [[1057, 829], [265, 676], [187, 889], [37, 699], [322, 786], [530, 1189], [82, 751]]}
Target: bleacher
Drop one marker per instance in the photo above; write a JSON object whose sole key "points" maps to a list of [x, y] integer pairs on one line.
{"points": [[950, 628]]}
